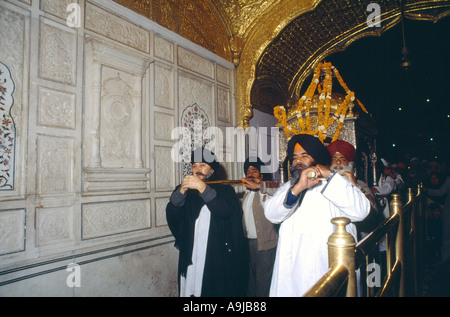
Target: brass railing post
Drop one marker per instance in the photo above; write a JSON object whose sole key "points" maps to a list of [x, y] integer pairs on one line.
{"points": [[415, 237], [396, 208], [341, 250], [410, 195], [420, 234]]}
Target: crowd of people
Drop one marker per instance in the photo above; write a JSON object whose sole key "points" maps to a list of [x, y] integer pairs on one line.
{"points": [[273, 241], [434, 179]]}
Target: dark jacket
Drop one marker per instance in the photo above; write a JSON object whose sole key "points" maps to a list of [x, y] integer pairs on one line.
{"points": [[225, 266]]}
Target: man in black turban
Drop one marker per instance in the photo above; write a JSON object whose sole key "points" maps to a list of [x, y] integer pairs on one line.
{"points": [[206, 221], [311, 145], [304, 209], [261, 234], [307, 152]]}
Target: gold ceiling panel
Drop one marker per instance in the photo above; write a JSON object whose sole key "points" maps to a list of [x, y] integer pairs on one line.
{"points": [[143, 7], [243, 13], [196, 20]]}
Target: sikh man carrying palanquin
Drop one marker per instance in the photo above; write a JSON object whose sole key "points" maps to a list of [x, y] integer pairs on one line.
{"points": [[304, 208], [342, 161], [206, 221]]}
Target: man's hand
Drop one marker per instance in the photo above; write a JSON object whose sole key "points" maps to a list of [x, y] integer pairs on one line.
{"points": [[192, 182], [304, 182], [324, 171], [251, 183], [350, 177]]}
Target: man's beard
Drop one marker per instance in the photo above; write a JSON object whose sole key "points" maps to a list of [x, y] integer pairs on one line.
{"points": [[296, 172], [344, 168]]}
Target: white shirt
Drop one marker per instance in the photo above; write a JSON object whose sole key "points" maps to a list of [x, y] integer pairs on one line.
{"points": [[302, 252], [191, 284]]}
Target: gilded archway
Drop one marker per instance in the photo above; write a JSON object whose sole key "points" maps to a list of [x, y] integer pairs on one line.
{"points": [[280, 61]]}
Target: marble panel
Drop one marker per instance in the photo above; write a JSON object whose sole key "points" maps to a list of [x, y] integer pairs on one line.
{"points": [[163, 126], [115, 28], [14, 55], [12, 231], [161, 204], [120, 119], [13, 28], [56, 108], [192, 90], [54, 225], [114, 127], [163, 49], [223, 105], [54, 165], [57, 52], [7, 130], [223, 74], [164, 82], [164, 169], [195, 62], [110, 218], [57, 7]]}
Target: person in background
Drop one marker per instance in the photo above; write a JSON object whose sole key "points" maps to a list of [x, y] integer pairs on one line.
{"points": [[262, 235], [415, 174], [389, 183], [444, 191], [342, 161], [402, 169]]}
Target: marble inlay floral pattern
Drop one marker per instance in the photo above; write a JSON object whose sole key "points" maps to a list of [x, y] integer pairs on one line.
{"points": [[196, 121], [7, 129]]}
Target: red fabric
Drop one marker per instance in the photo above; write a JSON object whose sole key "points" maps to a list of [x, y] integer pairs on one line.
{"points": [[342, 147]]}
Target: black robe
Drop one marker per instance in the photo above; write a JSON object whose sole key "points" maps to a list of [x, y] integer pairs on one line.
{"points": [[224, 274]]}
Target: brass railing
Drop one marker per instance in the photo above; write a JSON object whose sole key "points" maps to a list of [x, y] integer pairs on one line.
{"points": [[363, 269]]}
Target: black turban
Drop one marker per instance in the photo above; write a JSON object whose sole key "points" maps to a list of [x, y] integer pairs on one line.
{"points": [[256, 163], [253, 161], [310, 144], [204, 155]]}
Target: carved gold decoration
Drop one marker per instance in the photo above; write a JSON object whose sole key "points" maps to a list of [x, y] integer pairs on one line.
{"points": [[316, 113], [242, 14], [236, 49], [271, 23], [197, 21]]}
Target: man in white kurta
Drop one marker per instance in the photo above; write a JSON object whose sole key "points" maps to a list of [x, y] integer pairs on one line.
{"points": [[305, 209]]}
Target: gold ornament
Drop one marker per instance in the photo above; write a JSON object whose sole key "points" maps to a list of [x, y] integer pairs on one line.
{"points": [[325, 117]]}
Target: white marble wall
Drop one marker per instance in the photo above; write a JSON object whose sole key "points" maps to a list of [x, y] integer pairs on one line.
{"points": [[94, 108]]}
